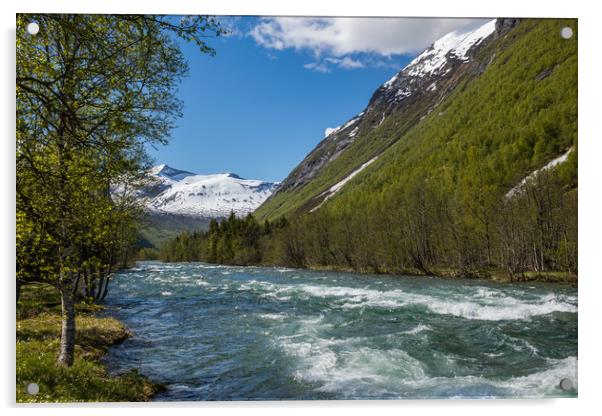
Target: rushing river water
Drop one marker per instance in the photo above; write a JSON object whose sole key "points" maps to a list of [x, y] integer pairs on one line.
{"points": [[234, 333]]}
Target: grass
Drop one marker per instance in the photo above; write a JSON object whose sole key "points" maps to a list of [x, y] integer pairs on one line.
{"points": [[38, 341], [560, 277], [451, 273]]}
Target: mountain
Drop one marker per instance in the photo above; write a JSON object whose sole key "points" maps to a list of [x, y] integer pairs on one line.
{"points": [[178, 192], [413, 93], [404, 104], [178, 200]]}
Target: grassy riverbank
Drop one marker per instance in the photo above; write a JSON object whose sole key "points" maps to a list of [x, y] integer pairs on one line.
{"points": [[492, 275], [496, 275], [38, 340]]}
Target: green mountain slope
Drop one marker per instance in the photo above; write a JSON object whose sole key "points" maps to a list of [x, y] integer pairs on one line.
{"points": [[515, 120], [499, 127]]}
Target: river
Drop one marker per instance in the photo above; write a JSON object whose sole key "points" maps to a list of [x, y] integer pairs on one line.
{"points": [[250, 333]]}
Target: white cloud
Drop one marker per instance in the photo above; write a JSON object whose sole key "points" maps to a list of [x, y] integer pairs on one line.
{"points": [[346, 62], [325, 65], [342, 36], [317, 66]]}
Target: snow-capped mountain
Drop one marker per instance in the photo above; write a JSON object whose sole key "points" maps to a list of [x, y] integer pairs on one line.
{"points": [[180, 192], [426, 74], [422, 84], [407, 98], [422, 74], [438, 59]]}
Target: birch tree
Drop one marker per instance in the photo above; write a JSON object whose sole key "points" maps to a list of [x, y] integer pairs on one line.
{"points": [[92, 92]]}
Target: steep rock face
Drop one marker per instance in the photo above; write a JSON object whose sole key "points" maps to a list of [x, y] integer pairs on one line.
{"points": [[504, 24], [432, 74], [416, 90]]}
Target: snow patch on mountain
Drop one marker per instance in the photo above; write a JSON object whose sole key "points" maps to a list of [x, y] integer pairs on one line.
{"points": [[429, 63], [553, 163], [391, 81], [329, 130], [455, 44], [434, 61], [169, 172], [337, 186], [351, 122], [424, 71], [209, 196], [332, 130]]}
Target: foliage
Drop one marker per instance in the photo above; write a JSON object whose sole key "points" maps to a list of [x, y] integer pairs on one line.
{"points": [[233, 241], [509, 113], [147, 253], [92, 91], [157, 229]]}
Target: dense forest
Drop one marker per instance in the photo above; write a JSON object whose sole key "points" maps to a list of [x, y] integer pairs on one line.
{"points": [[232, 241], [534, 230], [439, 200]]}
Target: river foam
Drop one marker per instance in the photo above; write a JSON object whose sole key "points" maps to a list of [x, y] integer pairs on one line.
{"points": [[483, 304], [352, 369], [232, 333]]}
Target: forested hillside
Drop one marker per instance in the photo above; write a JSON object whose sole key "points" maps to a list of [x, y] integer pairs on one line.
{"points": [[436, 196]]}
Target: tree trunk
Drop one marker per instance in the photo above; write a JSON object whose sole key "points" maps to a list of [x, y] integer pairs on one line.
{"points": [[68, 328], [106, 290], [19, 283], [100, 288], [88, 282], [76, 284]]}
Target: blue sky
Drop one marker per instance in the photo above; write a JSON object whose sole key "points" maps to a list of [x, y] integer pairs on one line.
{"points": [[263, 102]]}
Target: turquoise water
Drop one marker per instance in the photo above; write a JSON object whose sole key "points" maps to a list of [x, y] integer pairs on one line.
{"points": [[237, 333]]}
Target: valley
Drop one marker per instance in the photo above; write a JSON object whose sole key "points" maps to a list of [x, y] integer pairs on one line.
{"points": [[426, 179]]}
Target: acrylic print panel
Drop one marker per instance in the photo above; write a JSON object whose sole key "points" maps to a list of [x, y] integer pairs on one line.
{"points": [[402, 223]]}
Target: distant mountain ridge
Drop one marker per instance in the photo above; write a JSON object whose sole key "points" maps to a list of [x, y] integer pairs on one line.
{"points": [[178, 200], [179, 192]]}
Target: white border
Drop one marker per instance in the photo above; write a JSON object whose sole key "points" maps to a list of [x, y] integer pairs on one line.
{"points": [[589, 172]]}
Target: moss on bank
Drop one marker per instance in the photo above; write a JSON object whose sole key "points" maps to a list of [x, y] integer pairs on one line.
{"points": [[38, 340]]}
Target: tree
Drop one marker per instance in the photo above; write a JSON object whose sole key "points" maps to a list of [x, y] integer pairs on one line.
{"points": [[92, 91]]}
